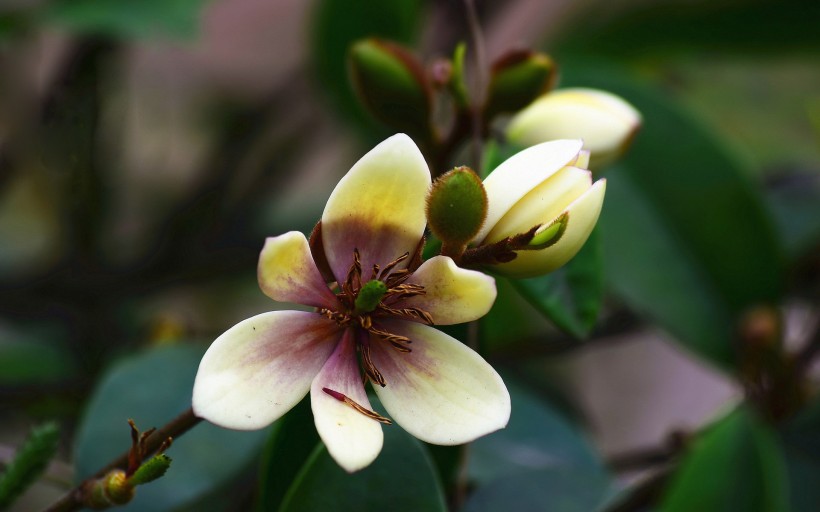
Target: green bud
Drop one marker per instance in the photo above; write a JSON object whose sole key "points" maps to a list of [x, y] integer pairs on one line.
{"points": [[154, 468], [370, 295], [456, 206], [110, 490], [391, 84], [551, 234], [517, 79]]}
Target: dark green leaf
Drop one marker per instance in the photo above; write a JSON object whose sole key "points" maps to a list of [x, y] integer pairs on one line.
{"points": [[571, 296], [401, 479], [25, 359], [339, 23], [538, 437], [801, 439], [153, 388], [29, 461], [687, 239], [128, 18], [735, 465], [795, 202]]}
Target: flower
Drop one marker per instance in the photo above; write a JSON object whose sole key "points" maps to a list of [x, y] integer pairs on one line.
{"points": [[546, 191], [605, 122], [374, 323]]}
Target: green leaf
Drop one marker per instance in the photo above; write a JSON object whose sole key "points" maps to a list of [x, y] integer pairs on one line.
{"points": [[339, 23], [150, 470], [538, 437], [401, 479], [572, 295], [801, 438], [152, 388], [795, 202], [687, 239], [29, 461], [736, 465], [29, 357], [128, 18]]}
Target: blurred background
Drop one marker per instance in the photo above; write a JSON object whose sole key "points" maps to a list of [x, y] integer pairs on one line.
{"points": [[147, 148]]}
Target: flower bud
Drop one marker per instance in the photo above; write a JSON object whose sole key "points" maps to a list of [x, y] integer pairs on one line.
{"points": [[456, 206], [544, 196], [391, 84], [606, 123], [150, 470], [516, 79], [110, 490]]}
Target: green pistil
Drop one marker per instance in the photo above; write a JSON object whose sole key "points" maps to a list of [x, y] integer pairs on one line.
{"points": [[369, 296]]}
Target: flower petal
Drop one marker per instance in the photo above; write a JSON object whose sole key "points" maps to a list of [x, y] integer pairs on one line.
{"points": [[543, 203], [442, 392], [522, 172], [377, 207], [453, 295], [261, 367], [287, 272], [352, 439], [583, 214]]}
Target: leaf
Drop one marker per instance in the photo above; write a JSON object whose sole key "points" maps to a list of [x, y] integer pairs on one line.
{"points": [[29, 461], [152, 388], [801, 438], [339, 23], [572, 295], [401, 479], [687, 240], [537, 438], [127, 18], [795, 203], [736, 465], [31, 358]]}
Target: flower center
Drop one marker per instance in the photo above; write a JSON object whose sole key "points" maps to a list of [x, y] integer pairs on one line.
{"points": [[369, 296]]}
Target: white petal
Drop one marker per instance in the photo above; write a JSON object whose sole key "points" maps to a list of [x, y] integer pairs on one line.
{"points": [[287, 272], [522, 172], [377, 207], [583, 214], [453, 295], [261, 367], [543, 203], [442, 392], [352, 439]]}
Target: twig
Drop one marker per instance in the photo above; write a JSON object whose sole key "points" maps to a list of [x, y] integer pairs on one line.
{"points": [[480, 83], [644, 495], [74, 499]]}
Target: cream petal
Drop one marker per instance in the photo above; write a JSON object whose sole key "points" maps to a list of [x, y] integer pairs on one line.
{"points": [[287, 272], [442, 392], [583, 214], [453, 295], [377, 207], [352, 439], [522, 172], [543, 203], [261, 367]]}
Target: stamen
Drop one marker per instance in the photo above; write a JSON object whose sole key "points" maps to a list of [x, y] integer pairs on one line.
{"points": [[339, 318], [390, 266], [394, 339], [370, 368], [412, 313], [349, 401]]}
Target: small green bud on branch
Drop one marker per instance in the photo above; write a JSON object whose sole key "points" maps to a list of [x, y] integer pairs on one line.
{"points": [[456, 209]]}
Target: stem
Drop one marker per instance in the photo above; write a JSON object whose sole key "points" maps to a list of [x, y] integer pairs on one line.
{"points": [[480, 82], [75, 498]]}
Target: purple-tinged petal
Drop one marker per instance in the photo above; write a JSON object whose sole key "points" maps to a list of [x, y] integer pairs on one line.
{"points": [[442, 392], [377, 207], [287, 272], [352, 438], [452, 295], [261, 367]]}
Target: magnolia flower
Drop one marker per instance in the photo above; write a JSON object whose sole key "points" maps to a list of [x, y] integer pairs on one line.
{"points": [[605, 122], [371, 324], [545, 188]]}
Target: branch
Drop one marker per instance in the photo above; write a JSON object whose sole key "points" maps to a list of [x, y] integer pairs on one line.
{"points": [[75, 499]]}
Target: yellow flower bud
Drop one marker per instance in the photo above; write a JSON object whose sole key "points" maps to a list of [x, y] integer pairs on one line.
{"points": [[605, 122]]}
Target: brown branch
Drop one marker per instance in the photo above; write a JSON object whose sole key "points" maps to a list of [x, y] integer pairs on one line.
{"points": [[75, 499]]}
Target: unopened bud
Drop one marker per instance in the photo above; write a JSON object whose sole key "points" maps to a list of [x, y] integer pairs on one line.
{"points": [[150, 470], [110, 490], [761, 327], [517, 79], [456, 206], [391, 84]]}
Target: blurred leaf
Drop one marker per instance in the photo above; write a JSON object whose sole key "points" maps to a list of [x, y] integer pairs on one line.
{"points": [[26, 358], [339, 23], [687, 239], [571, 296], [801, 439], [537, 438], [153, 388], [660, 28], [128, 18], [545, 490], [401, 479], [288, 447], [29, 461], [735, 465], [795, 202]]}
